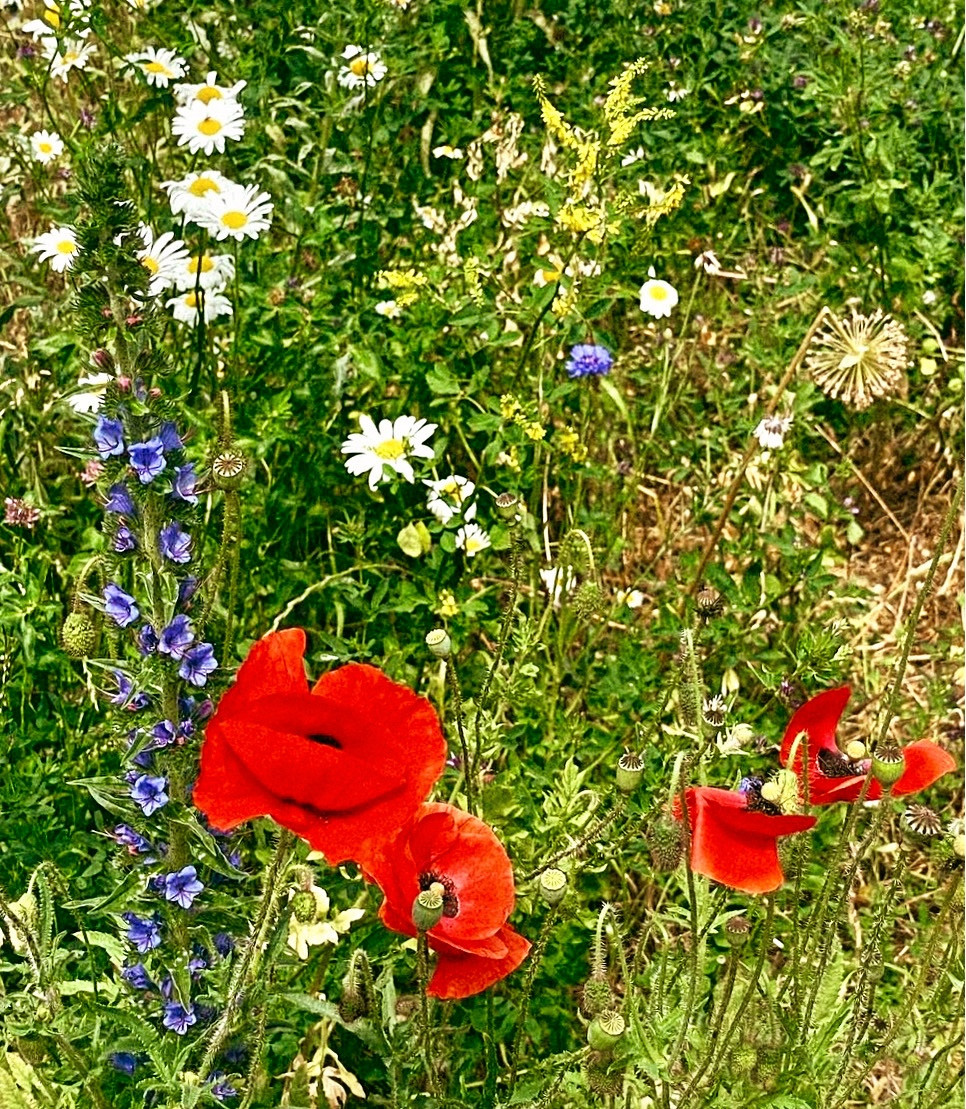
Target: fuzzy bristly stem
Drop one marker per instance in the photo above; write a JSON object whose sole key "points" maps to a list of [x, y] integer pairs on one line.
{"points": [[533, 965], [425, 1026], [591, 834], [469, 771]]}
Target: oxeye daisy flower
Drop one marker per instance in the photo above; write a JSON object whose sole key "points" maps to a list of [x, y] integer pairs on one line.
{"points": [[237, 212], [190, 193], [163, 258], [68, 55], [210, 90], [58, 246], [93, 398], [471, 539], [388, 446], [205, 127], [205, 271], [361, 68], [448, 495], [771, 432], [159, 66], [45, 146], [658, 298], [859, 358], [191, 306]]}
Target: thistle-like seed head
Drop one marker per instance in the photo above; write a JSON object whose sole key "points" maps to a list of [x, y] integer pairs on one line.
{"points": [[79, 635]]}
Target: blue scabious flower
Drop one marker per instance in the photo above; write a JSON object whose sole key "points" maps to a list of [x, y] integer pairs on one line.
{"points": [[147, 639], [178, 1018], [183, 886], [198, 663], [120, 606], [183, 483], [119, 500], [175, 544], [124, 539], [170, 439], [123, 1061], [147, 459], [137, 976], [148, 793], [176, 638], [108, 436], [589, 358], [144, 934]]}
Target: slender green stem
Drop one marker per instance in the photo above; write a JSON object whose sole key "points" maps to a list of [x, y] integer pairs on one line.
{"points": [[592, 833], [533, 965], [469, 771], [425, 1027]]}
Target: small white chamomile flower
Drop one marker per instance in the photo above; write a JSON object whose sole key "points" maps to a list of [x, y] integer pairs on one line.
{"points": [[771, 432], [658, 298], [93, 397], [446, 151], [361, 68], [205, 271], [388, 308], [45, 146], [71, 54], [389, 446], [58, 246], [159, 66], [448, 496], [191, 306], [210, 90], [471, 539]]}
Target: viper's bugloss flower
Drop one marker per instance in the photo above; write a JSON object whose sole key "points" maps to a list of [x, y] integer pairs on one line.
{"points": [[183, 483], [175, 543], [734, 836], [109, 440], [149, 793], [344, 766], [123, 1061], [120, 606], [147, 639], [136, 975], [179, 1018], [133, 841], [589, 359], [197, 663], [832, 774], [147, 459], [176, 638], [118, 498], [462, 858], [124, 539], [162, 735], [187, 588], [221, 1088], [183, 886], [145, 934]]}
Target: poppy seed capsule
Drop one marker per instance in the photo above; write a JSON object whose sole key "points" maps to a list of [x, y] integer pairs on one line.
{"points": [[887, 765], [78, 635], [228, 468], [507, 507], [439, 643], [428, 907], [553, 885], [737, 931], [709, 603], [630, 770], [605, 1030]]}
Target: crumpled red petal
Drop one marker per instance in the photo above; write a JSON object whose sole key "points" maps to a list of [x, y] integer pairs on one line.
{"points": [[459, 976], [818, 718]]}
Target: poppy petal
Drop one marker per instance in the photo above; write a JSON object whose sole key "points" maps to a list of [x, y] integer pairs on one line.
{"points": [[458, 976], [925, 762], [818, 718], [274, 665]]}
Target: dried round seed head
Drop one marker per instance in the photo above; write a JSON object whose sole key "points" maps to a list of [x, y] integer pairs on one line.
{"points": [[859, 359], [923, 821]]}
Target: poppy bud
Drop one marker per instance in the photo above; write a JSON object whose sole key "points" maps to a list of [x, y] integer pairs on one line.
{"points": [[102, 359], [855, 750], [605, 1030], [666, 841], [508, 507], [79, 635], [630, 770], [304, 907], [737, 931], [588, 600], [553, 885], [439, 643], [887, 765], [428, 907], [228, 468], [744, 1058], [358, 989], [597, 995]]}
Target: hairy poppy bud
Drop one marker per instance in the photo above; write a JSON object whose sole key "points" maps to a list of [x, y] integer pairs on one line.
{"points": [[887, 765], [508, 507], [304, 907], [228, 468], [597, 995], [666, 841], [630, 770], [605, 1030], [428, 907], [553, 885], [737, 931], [588, 600], [358, 990], [744, 1058], [439, 643], [79, 635]]}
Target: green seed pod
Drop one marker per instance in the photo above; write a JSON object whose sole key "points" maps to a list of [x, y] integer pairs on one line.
{"points": [[439, 643], [666, 841], [630, 770], [589, 600], [228, 468], [737, 931], [887, 765], [508, 507], [553, 885], [428, 908], [605, 1030], [597, 995], [79, 635]]}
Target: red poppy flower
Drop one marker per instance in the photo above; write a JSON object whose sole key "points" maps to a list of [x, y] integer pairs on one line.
{"points": [[475, 945], [734, 836], [344, 766], [832, 776]]}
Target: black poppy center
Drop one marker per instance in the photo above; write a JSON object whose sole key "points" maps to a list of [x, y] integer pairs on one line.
{"points": [[325, 740], [451, 904], [751, 788], [833, 764]]}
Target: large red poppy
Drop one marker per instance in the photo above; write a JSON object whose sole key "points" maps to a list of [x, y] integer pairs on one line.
{"points": [[345, 766], [475, 945], [734, 838], [832, 776]]}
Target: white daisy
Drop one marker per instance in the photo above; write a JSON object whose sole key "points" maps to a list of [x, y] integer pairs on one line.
{"points": [[93, 398], [210, 90], [448, 496], [633, 598], [658, 298], [68, 55], [388, 308], [633, 156], [190, 193], [163, 258], [472, 539], [675, 92], [309, 926], [45, 146], [446, 151], [159, 66], [58, 246], [391, 445], [188, 307], [770, 433], [236, 212], [204, 127], [205, 271], [361, 68]]}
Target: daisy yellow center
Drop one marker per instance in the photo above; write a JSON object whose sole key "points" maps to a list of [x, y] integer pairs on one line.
{"points": [[70, 57], [473, 545], [207, 93], [44, 147], [359, 66], [550, 275], [202, 185], [201, 265], [158, 67], [235, 220], [390, 449], [191, 301], [66, 246], [451, 489], [658, 292], [209, 126], [150, 264]]}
